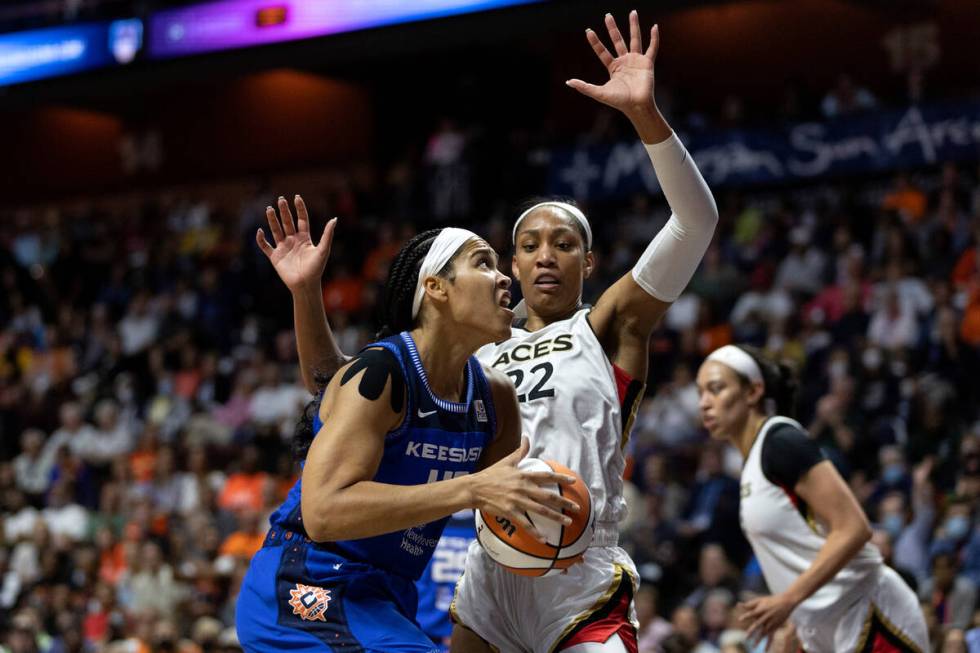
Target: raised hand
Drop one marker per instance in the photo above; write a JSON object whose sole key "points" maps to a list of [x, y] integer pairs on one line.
{"points": [[631, 79], [297, 261]]}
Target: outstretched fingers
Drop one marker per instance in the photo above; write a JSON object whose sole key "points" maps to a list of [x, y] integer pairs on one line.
{"points": [[302, 215], [599, 48], [636, 40], [274, 226], [264, 245], [654, 43], [617, 38], [287, 216]]}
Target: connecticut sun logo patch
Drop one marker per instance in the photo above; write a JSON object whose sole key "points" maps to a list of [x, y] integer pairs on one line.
{"points": [[309, 603]]}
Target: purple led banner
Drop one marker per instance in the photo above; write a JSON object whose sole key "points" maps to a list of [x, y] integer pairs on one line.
{"points": [[228, 24]]}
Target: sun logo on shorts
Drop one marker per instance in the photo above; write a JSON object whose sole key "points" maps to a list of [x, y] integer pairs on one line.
{"points": [[309, 603]]}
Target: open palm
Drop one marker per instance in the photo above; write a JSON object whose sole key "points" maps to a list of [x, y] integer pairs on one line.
{"points": [[631, 79], [297, 261]]}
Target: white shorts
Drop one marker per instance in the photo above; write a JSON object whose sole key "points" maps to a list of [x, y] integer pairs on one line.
{"points": [[886, 618], [537, 615]]}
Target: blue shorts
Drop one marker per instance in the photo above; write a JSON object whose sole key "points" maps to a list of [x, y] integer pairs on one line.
{"points": [[298, 597]]}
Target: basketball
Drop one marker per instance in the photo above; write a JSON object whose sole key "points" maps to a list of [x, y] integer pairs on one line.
{"points": [[518, 551]]}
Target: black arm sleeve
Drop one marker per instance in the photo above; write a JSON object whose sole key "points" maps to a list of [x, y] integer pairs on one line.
{"points": [[787, 454]]}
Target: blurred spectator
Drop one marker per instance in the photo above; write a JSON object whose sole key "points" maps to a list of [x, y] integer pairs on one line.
{"points": [[245, 541], [153, 585], [846, 97], [712, 511], [801, 271], [109, 438], [906, 199], [951, 597], [883, 542], [714, 573], [687, 625], [64, 517], [32, 468], [653, 628], [672, 417], [72, 431], [893, 325], [138, 328], [245, 488]]}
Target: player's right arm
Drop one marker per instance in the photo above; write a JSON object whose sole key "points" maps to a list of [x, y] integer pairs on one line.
{"points": [[300, 264], [340, 501]]}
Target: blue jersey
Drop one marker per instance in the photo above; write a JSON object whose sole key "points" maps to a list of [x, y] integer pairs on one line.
{"points": [[437, 440], [438, 583]]}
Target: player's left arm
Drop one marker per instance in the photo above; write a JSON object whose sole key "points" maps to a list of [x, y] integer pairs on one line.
{"points": [[627, 312], [834, 504]]}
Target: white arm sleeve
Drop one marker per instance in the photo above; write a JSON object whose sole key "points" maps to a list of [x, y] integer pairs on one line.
{"points": [[669, 262]]}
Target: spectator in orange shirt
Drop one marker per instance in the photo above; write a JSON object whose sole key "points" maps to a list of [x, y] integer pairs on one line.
{"points": [[244, 542], [244, 488], [970, 326], [966, 274], [907, 200], [143, 461], [343, 292], [377, 262]]}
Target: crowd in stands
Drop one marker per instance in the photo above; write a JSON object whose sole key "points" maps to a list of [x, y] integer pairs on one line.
{"points": [[149, 386]]}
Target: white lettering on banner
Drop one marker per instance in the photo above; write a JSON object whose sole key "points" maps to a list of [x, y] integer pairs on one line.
{"points": [[912, 130], [915, 135], [627, 159], [809, 139], [718, 163], [580, 174]]}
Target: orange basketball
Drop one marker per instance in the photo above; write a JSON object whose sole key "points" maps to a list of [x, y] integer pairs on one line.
{"points": [[510, 545]]}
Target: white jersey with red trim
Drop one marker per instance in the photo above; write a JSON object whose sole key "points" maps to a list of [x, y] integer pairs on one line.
{"points": [[786, 538], [576, 407]]}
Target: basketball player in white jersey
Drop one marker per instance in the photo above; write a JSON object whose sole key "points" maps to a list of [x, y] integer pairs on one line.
{"points": [[805, 526], [579, 371]]}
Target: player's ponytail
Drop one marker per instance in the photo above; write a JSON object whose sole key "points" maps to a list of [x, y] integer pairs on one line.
{"points": [[303, 434], [779, 379]]}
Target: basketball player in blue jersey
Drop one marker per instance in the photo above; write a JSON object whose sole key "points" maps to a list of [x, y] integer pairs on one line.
{"points": [[579, 371], [407, 433], [438, 581]]}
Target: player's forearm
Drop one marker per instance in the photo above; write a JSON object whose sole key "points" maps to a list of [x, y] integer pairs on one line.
{"points": [[650, 124], [671, 259], [317, 349], [841, 545], [368, 508]]}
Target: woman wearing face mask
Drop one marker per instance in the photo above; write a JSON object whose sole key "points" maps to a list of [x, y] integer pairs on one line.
{"points": [[804, 524]]}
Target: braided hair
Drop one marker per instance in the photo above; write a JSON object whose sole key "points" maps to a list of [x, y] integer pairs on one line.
{"points": [[395, 310], [779, 380], [303, 434]]}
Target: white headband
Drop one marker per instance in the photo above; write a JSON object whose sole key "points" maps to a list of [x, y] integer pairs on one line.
{"points": [[443, 249], [565, 206], [738, 360]]}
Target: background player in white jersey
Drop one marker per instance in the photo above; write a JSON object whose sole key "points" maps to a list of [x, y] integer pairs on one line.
{"points": [[805, 526], [579, 371]]}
